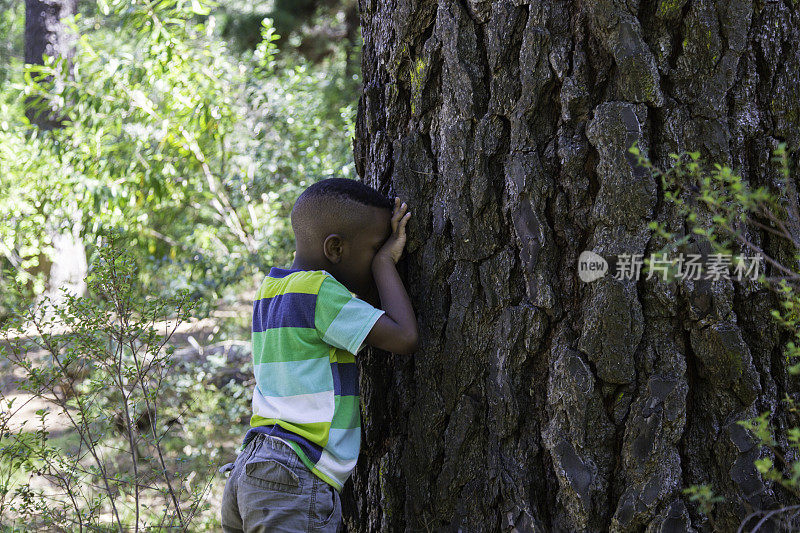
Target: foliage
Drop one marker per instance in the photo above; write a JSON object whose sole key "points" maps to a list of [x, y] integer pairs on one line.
{"points": [[194, 152], [718, 204], [11, 13], [103, 365], [704, 495], [310, 27]]}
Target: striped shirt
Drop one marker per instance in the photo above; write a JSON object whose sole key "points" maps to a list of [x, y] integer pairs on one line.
{"points": [[307, 327]]}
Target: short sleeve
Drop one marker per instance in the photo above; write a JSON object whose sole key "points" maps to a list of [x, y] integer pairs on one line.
{"points": [[341, 319]]}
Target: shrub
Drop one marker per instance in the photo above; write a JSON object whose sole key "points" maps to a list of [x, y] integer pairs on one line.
{"points": [[99, 363]]}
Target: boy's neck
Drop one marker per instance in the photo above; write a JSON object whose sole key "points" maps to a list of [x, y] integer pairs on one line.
{"points": [[305, 264]]}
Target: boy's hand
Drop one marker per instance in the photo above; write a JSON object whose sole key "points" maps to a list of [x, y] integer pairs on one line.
{"points": [[396, 329], [393, 247]]}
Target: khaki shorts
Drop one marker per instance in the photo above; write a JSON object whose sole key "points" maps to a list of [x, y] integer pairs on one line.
{"points": [[271, 490]]}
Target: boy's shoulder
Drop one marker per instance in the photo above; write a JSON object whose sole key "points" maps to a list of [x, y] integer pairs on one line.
{"points": [[340, 317], [281, 281]]}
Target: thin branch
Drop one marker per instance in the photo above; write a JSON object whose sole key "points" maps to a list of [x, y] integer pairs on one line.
{"points": [[767, 514]]}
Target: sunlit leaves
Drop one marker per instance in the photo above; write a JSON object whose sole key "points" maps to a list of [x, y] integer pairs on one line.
{"points": [[193, 151]]}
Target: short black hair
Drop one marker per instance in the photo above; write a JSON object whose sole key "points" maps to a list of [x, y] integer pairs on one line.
{"points": [[329, 206], [348, 189]]}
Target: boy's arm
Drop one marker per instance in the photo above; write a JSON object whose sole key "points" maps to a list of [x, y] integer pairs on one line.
{"points": [[372, 297], [396, 330]]}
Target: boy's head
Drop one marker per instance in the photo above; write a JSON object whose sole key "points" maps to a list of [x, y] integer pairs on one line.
{"points": [[339, 224]]}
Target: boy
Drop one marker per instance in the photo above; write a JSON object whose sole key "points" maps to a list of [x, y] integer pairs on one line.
{"points": [[305, 430]]}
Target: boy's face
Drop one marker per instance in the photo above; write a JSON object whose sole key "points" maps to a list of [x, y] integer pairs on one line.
{"points": [[356, 264]]}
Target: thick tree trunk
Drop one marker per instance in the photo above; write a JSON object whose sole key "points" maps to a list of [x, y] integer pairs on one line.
{"points": [[538, 402], [45, 33]]}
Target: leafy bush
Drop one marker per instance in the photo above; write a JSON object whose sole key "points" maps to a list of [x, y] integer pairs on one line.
{"points": [[718, 204], [196, 153], [100, 363]]}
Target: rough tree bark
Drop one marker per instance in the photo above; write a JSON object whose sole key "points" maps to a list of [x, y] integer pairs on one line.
{"points": [[538, 402]]}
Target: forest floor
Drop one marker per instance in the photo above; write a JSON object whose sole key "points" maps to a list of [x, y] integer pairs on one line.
{"points": [[216, 351]]}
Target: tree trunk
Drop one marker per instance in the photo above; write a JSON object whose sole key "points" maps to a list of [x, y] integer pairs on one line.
{"points": [[45, 33], [539, 402]]}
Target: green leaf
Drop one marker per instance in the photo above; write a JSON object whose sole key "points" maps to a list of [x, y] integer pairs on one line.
{"points": [[763, 465], [199, 9]]}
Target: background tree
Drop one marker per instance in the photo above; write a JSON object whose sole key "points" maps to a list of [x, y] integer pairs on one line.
{"points": [[46, 35], [537, 401]]}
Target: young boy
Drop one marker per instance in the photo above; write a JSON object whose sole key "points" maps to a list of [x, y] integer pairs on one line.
{"points": [[305, 430]]}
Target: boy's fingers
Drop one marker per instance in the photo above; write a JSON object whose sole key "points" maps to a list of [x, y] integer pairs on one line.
{"points": [[397, 208], [396, 216], [402, 225]]}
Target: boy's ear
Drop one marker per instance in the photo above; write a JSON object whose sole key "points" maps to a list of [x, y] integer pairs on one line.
{"points": [[332, 247]]}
